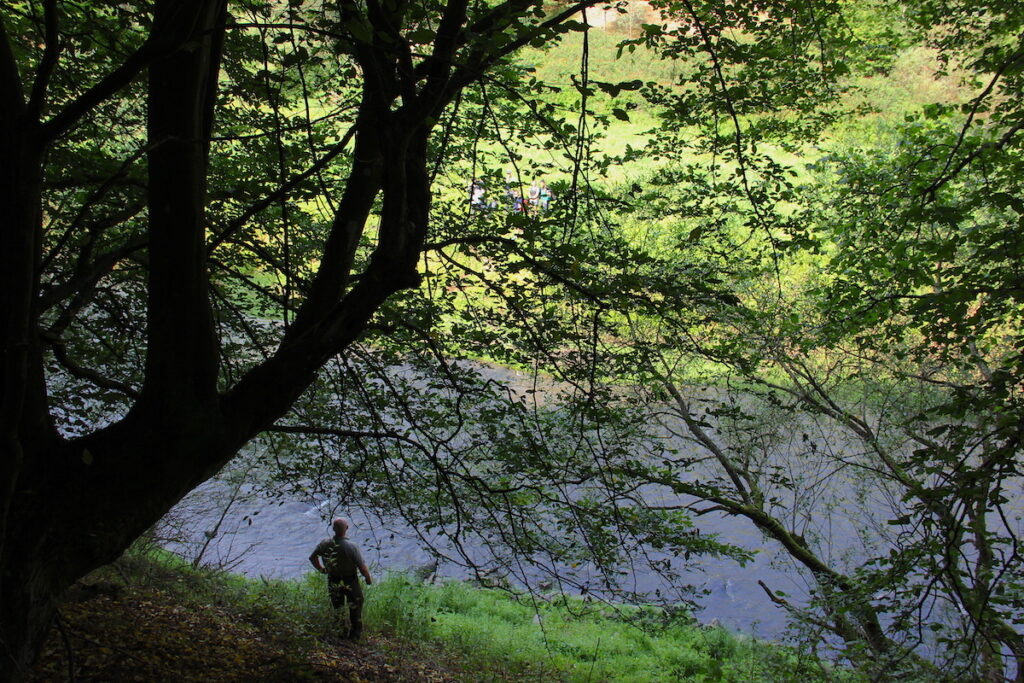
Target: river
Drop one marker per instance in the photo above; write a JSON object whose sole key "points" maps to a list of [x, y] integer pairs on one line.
{"points": [[273, 537], [238, 526]]}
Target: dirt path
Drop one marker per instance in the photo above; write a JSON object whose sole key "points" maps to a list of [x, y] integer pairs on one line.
{"points": [[113, 633]]}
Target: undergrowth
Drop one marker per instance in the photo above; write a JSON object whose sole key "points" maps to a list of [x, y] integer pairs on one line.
{"points": [[496, 634]]}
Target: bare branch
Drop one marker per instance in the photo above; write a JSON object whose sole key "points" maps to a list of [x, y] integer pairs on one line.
{"points": [[51, 53], [949, 171], [61, 355], [88, 276], [11, 95]]}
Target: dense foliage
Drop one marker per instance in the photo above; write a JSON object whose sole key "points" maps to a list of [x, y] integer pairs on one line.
{"points": [[248, 222], [866, 412]]}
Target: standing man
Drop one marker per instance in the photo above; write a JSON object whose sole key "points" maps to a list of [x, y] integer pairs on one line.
{"points": [[341, 560], [534, 198], [545, 197]]}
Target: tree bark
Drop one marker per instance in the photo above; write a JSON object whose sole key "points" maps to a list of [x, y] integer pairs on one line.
{"points": [[182, 350], [26, 604]]}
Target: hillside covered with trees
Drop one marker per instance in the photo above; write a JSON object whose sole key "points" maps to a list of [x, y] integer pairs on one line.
{"points": [[760, 260]]}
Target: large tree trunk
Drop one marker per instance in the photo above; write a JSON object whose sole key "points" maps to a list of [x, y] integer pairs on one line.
{"points": [[26, 595], [73, 505], [79, 505], [69, 506]]}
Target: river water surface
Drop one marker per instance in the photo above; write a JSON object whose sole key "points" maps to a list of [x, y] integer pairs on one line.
{"points": [[240, 527]]}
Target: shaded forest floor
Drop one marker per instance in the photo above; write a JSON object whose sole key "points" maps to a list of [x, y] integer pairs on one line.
{"points": [[126, 626]]}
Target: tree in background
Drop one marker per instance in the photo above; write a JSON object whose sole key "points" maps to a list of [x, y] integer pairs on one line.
{"points": [[866, 376]]}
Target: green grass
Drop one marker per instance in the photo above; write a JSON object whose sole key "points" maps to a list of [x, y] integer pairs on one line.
{"points": [[554, 65], [494, 633], [569, 639]]}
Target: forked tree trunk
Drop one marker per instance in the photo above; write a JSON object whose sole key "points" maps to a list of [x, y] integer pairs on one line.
{"points": [[71, 506]]}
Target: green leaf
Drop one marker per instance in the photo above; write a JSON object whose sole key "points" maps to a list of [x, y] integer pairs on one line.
{"points": [[422, 35], [360, 31]]}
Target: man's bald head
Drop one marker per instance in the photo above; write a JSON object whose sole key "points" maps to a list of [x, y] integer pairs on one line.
{"points": [[340, 526]]}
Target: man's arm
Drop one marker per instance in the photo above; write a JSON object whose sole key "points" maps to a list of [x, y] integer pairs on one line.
{"points": [[366, 573], [315, 560]]}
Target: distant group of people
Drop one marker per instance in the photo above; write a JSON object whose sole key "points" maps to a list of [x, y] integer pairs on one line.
{"points": [[537, 199]]}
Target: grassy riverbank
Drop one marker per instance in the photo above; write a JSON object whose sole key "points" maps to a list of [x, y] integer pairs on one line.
{"points": [[151, 617]]}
